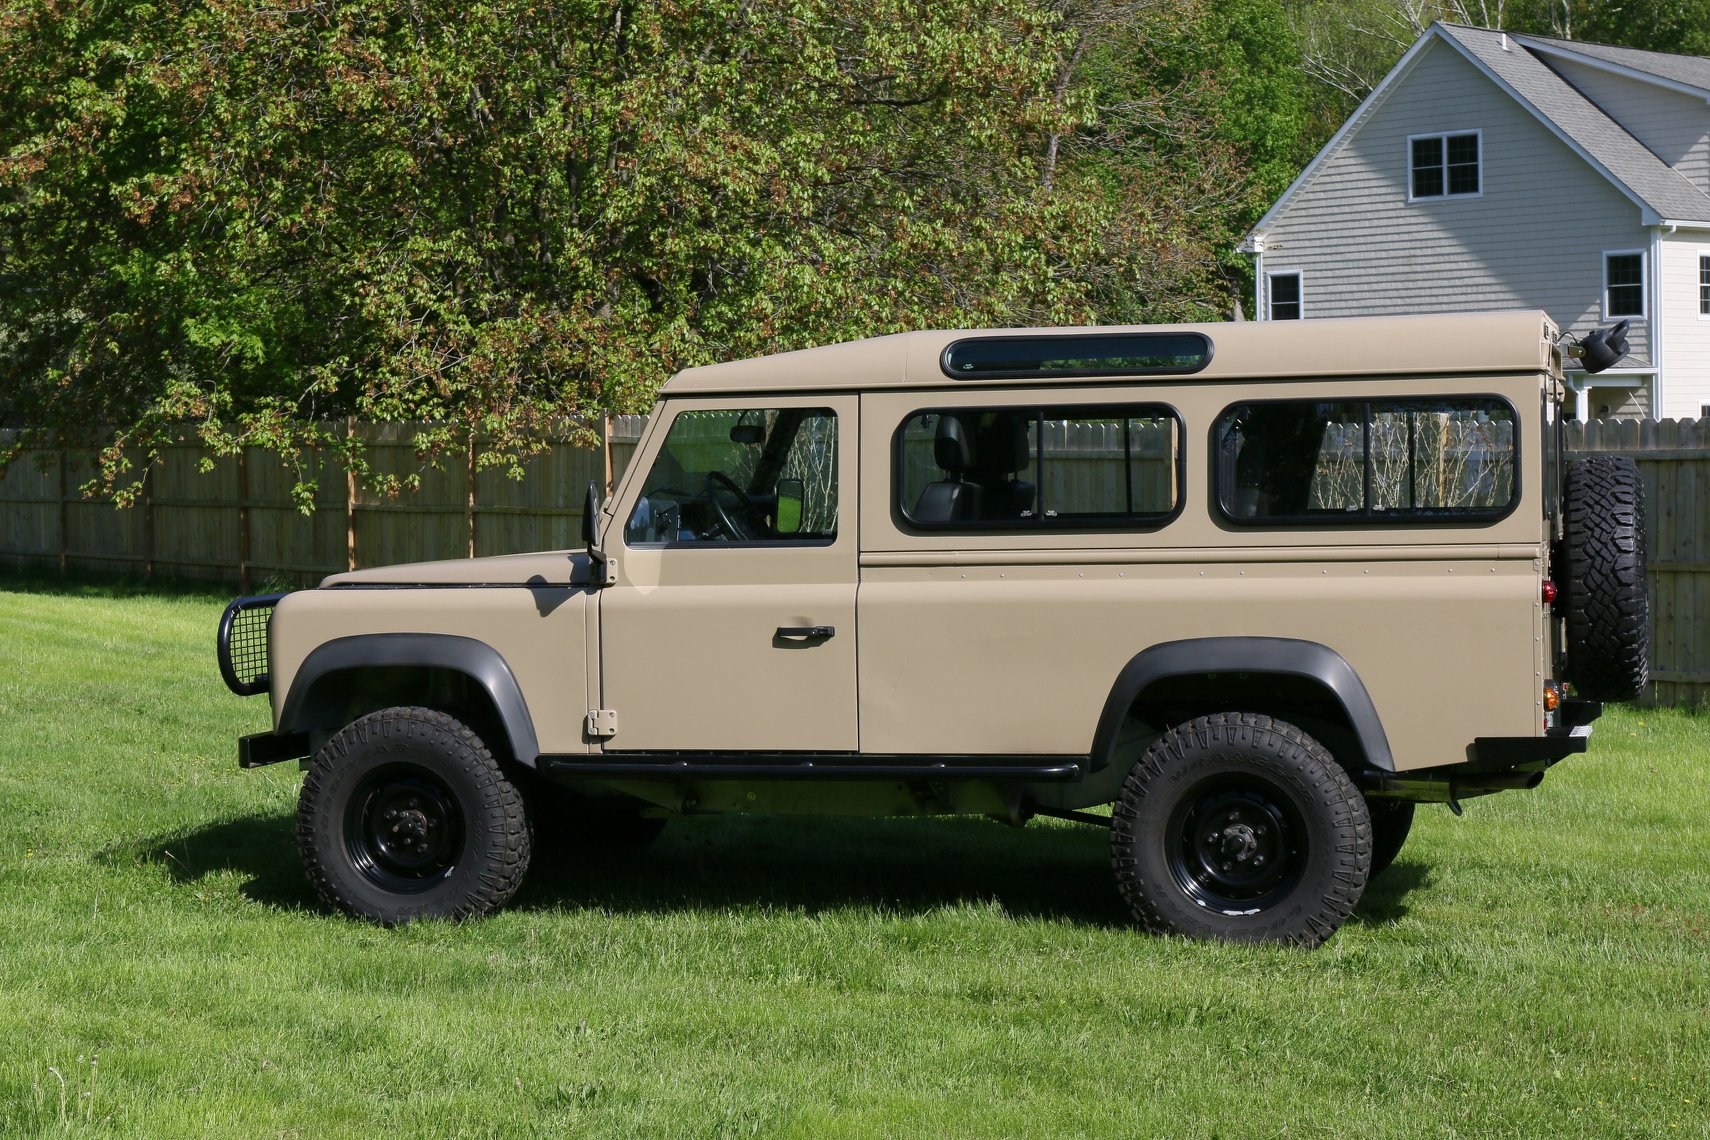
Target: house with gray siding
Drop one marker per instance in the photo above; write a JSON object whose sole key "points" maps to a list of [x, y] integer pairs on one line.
{"points": [[1499, 171]]}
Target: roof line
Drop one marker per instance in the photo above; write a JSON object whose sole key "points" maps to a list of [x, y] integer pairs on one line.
{"points": [[1552, 47], [1253, 242], [1648, 216]]}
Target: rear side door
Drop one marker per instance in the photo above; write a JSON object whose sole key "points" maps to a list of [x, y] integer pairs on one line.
{"points": [[731, 626]]}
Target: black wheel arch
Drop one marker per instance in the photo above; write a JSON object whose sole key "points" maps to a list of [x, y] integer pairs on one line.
{"points": [[1303, 682], [349, 677]]}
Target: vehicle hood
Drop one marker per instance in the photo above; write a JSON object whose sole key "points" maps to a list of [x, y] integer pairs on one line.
{"points": [[548, 568]]}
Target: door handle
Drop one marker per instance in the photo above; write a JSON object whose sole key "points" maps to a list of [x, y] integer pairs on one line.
{"points": [[807, 631]]}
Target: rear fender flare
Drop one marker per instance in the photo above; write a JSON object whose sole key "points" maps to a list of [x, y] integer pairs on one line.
{"points": [[1252, 656]]}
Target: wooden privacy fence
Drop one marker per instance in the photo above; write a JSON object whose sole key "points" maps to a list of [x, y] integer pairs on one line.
{"points": [[238, 524], [1674, 461]]}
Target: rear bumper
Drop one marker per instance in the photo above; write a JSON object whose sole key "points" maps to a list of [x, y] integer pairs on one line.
{"points": [[1493, 764], [1506, 753], [266, 748]]}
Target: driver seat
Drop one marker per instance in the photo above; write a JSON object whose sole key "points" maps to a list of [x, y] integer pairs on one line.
{"points": [[952, 499]]}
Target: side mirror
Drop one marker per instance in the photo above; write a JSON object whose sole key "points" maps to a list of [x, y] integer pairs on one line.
{"points": [[1604, 348], [789, 514], [591, 517]]}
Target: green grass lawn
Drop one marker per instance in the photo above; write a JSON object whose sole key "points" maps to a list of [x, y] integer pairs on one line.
{"points": [[1540, 967]]}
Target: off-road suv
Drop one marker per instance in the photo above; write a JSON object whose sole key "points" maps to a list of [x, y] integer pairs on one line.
{"points": [[1261, 588]]}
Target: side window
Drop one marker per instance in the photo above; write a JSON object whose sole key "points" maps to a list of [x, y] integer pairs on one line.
{"points": [[1624, 284], [1444, 165], [1019, 469], [1283, 296], [741, 475], [1366, 461]]}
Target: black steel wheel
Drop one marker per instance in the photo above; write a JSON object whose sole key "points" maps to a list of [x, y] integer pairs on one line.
{"points": [[403, 829], [1242, 828], [405, 814], [1392, 820]]}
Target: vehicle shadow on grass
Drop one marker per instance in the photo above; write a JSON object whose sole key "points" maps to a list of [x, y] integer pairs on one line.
{"points": [[1385, 900], [1058, 872], [261, 848], [812, 864]]}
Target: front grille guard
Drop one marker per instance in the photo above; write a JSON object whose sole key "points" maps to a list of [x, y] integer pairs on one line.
{"points": [[243, 644]]}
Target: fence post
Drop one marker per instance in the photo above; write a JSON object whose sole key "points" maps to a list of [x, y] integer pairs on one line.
{"points": [[148, 522], [606, 423], [64, 510], [469, 507], [349, 496], [243, 518]]}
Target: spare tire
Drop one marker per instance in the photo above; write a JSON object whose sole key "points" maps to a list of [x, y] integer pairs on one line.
{"points": [[1603, 548]]}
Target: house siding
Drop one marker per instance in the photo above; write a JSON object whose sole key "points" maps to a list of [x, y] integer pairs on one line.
{"points": [[1686, 336], [1364, 249], [1674, 126]]}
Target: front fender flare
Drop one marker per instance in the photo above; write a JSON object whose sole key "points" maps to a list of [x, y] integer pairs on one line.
{"points": [[305, 709], [1282, 656]]}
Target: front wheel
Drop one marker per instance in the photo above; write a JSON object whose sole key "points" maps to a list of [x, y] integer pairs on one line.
{"points": [[405, 814], [1241, 828]]}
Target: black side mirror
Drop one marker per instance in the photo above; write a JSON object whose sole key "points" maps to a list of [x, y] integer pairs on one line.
{"points": [[1604, 348], [591, 517]]}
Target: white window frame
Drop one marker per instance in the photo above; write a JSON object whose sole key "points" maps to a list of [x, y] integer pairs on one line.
{"points": [[1445, 196], [1644, 286], [1700, 294], [1299, 292]]}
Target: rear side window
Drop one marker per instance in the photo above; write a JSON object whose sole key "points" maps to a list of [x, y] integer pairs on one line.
{"points": [[1354, 462], [1020, 469]]}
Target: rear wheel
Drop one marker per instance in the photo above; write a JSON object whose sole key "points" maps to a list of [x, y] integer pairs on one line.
{"points": [[405, 814], [1391, 822], [1242, 828]]}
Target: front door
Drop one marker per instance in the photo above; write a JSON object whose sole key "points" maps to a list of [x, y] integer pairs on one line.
{"points": [[731, 626]]}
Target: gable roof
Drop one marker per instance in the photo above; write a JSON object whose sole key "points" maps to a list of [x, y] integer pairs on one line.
{"points": [[1662, 194]]}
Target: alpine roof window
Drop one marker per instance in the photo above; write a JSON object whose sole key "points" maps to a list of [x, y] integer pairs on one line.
{"points": [[1446, 165], [1080, 354]]}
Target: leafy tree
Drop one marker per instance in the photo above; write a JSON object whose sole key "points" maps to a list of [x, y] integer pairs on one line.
{"points": [[248, 220]]}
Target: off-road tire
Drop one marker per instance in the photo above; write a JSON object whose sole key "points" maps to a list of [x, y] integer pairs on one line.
{"points": [[405, 814], [1241, 828], [1603, 547], [1391, 822]]}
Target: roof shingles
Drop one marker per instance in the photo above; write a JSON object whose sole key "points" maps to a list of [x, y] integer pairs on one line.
{"points": [[1663, 191]]}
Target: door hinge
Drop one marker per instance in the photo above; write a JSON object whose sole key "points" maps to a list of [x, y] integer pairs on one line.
{"points": [[602, 722]]}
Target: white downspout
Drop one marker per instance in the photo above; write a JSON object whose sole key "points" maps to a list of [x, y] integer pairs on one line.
{"points": [[1260, 312], [1658, 405]]}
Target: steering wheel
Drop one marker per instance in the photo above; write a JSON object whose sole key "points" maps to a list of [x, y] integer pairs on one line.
{"points": [[718, 482]]}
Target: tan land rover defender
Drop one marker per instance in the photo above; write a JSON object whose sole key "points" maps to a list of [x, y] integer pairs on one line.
{"points": [[1260, 588]]}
